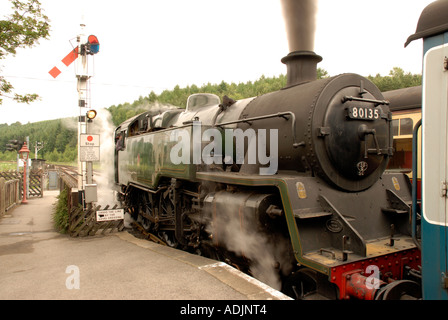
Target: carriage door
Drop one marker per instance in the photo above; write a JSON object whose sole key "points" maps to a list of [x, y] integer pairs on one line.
{"points": [[435, 175]]}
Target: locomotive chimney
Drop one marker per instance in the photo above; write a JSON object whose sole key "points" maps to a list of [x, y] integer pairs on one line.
{"points": [[301, 66], [301, 62]]}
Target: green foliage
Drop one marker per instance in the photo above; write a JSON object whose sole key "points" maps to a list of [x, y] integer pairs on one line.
{"points": [[8, 156], [21, 29], [178, 96], [59, 137], [397, 79], [7, 166], [60, 213]]}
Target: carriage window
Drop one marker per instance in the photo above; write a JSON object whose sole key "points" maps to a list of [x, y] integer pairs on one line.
{"points": [[406, 126], [395, 125], [402, 158], [401, 127]]}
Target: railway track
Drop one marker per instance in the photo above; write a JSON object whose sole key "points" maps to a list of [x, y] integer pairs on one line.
{"points": [[69, 175]]}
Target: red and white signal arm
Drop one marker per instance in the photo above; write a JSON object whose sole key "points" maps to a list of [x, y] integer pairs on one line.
{"points": [[68, 59], [93, 47]]}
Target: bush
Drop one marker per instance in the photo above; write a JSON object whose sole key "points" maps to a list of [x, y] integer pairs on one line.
{"points": [[60, 214]]}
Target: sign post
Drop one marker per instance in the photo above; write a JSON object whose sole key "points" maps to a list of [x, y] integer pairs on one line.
{"points": [[90, 147]]}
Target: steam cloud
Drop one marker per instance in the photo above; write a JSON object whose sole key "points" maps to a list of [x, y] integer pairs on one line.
{"points": [[300, 22], [104, 126], [267, 253]]}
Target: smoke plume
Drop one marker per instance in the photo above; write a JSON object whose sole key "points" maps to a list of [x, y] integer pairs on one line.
{"points": [[300, 22]]}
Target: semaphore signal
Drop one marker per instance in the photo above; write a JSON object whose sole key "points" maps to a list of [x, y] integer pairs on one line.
{"points": [[68, 59], [92, 46], [86, 46]]}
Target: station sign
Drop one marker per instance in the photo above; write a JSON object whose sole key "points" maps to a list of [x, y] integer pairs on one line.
{"points": [[89, 147], [107, 215]]}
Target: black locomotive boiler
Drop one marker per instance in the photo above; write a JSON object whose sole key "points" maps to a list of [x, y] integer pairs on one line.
{"points": [[324, 217]]}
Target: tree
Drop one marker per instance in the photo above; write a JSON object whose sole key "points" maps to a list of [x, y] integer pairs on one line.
{"points": [[397, 79], [23, 28]]}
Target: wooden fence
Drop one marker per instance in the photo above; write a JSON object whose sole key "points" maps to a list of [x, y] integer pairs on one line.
{"points": [[9, 194], [36, 186], [84, 222]]}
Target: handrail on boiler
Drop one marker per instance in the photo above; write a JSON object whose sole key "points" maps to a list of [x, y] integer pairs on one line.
{"points": [[274, 115]]}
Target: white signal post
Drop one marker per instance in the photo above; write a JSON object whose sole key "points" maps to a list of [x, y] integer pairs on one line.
{"points": [[83, 77], [86, 45]]}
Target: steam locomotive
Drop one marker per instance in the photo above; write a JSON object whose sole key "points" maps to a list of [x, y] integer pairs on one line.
{"points": [[289, 186]]}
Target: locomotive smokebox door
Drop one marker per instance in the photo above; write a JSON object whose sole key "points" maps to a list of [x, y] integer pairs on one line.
{"points": [[352, 143]]}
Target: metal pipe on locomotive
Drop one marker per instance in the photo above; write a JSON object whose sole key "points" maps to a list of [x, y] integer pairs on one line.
{"points": [[337, 222]]}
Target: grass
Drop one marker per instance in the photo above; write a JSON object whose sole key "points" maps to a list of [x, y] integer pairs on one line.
{"points": [[8, 165]]}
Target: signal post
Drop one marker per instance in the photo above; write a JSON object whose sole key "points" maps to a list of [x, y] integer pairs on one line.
{"points": [[86, 46]]}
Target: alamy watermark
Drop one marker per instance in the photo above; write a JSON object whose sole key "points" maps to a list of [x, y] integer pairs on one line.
{"points": [[73, 280], [373, 281], [257, 147]]}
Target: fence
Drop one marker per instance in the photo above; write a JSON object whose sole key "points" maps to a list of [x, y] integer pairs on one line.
{"points": [[36, 187], [9, 194], [83, 222]]}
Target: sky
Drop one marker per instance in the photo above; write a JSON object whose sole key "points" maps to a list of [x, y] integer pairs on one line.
{"points": [[154, 45]]}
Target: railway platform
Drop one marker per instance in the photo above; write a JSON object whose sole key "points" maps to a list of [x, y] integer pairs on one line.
{"points": [[38, 263]]}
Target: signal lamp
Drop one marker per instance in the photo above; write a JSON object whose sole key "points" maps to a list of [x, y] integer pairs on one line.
{"points": [[14, 145], [91, 114], [93, 44]]}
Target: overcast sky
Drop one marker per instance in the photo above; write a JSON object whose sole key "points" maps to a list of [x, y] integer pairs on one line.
{"points": [[153, 45]]}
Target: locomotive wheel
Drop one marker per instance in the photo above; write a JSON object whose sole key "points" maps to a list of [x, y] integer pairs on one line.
{"points": [[146, 212], [400, 290], [166, 210], [303, 285], [308, 284], [166, 206]]}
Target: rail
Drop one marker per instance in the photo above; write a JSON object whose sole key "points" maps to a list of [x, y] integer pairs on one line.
{"points": [[9, 194], [69, 177]]}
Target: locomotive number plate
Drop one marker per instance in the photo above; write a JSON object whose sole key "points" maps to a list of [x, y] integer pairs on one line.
{"points": [[363, 113]]}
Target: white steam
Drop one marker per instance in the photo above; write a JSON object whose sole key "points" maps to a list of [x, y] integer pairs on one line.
{"points": [[267, 253], [104, 126]]}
